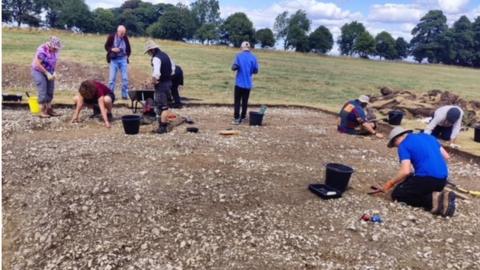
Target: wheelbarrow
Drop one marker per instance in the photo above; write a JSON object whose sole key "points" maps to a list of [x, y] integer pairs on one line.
{"points": [[139, 97]]}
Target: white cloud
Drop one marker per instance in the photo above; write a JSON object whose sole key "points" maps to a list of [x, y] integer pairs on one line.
{"points": [[453, 6], [395, 13]]}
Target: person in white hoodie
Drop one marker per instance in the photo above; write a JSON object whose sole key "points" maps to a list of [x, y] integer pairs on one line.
{"points": [[446, 123]]}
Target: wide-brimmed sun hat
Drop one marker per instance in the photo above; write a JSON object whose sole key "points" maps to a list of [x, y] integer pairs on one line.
{"points": [[55, 43], [364, 99], [150, 45], [395, 133]]}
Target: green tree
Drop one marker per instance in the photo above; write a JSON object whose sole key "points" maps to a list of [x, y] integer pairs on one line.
{"points": [[321, 40], [206, 15], [364, 45], [104, 20], [75, 14], [129, 19], [131, 4], [476, 42], [51, 10], [174, 25], [237, 28], [298, 27], [463, 39], [21, 11], [206, 12], [265, 37], [427, 37], [298, 39], [401, 46], [281, 28], [349, 34], [207, 32], [385, 46]]}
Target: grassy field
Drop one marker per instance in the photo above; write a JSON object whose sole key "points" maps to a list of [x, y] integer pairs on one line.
{"points": [[285, 77]]}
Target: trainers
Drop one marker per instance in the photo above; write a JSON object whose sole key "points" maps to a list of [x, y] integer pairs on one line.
{"points": [[237, 121], [449, 198]]}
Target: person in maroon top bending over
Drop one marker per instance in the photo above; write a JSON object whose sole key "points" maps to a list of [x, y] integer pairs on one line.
{"points": [[91, 93]]}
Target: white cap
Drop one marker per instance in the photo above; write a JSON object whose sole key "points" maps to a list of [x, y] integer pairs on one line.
{"points": [[364, 99], [245, 46]]}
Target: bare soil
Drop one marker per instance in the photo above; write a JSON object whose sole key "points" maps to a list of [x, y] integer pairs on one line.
{"points": [[84, 197], [70, 75]]}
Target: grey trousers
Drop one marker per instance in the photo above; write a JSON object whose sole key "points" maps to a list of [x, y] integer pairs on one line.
{"points": [[44, 87], [162, 91]]}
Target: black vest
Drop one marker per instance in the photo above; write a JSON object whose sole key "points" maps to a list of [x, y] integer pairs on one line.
{"points": [[165, 67]]}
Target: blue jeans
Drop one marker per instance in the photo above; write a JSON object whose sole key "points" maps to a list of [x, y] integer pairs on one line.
{"points": [[115, 65]]}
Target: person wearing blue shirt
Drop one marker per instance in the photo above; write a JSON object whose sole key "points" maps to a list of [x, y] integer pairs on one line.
{"points": [[424, 185], [245, 65], [353, 119]]}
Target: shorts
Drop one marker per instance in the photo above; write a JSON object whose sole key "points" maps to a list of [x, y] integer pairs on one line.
{"points": [[91, 102]]}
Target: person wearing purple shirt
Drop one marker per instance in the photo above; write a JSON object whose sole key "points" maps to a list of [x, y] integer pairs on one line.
{"points": [[43, 73]]}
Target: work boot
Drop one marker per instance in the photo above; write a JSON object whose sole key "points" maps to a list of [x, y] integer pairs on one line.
{"points": [[162, 128]]}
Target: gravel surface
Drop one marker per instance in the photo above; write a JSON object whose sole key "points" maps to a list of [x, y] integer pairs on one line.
{"points": [[84, 197]]}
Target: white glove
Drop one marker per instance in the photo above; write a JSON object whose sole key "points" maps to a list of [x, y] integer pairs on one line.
{"points": [[49, 76]]}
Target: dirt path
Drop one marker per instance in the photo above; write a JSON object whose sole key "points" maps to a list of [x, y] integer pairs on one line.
{"points": [[81, 196]]}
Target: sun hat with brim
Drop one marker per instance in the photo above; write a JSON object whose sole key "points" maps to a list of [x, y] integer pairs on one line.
{"points": [[364, 99], [395, 133], [150, 45], [54, 42]]}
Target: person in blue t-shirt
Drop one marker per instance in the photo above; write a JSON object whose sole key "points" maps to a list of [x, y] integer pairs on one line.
{"points": [[423, 172], [353, 119], [245, 65]]}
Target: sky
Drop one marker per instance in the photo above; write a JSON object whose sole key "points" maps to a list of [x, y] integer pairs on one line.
{"points": [[395, 16]]}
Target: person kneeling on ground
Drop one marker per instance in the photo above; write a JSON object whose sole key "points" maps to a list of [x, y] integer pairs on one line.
{"points": [[446, 123], [353, 119], [422, 187], [92, 93], [163, 70]]}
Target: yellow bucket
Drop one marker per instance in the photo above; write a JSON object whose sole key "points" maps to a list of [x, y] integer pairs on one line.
{"points": [[33, 104]]}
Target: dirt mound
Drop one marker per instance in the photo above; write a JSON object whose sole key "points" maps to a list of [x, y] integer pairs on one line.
{"points": [[69, 76], [424, 105]]}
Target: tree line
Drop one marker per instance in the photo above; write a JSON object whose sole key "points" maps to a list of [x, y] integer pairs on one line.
{"points": [[433, 40]]}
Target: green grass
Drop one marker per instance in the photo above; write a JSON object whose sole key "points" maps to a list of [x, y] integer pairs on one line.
{"points": [[285, 77]]}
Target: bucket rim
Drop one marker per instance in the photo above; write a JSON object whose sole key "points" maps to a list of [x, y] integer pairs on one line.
{"points": [[131, 117], [339, 167]]}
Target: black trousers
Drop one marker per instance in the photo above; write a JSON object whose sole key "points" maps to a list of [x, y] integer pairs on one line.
{"points": [[417, 191], [241, 98], [175, 94]]}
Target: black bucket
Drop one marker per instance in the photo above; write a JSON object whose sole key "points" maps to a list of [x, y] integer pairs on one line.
{"points": [[477, 134], [337, 176], [395, 118], [131, 124], [256, 119]]}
